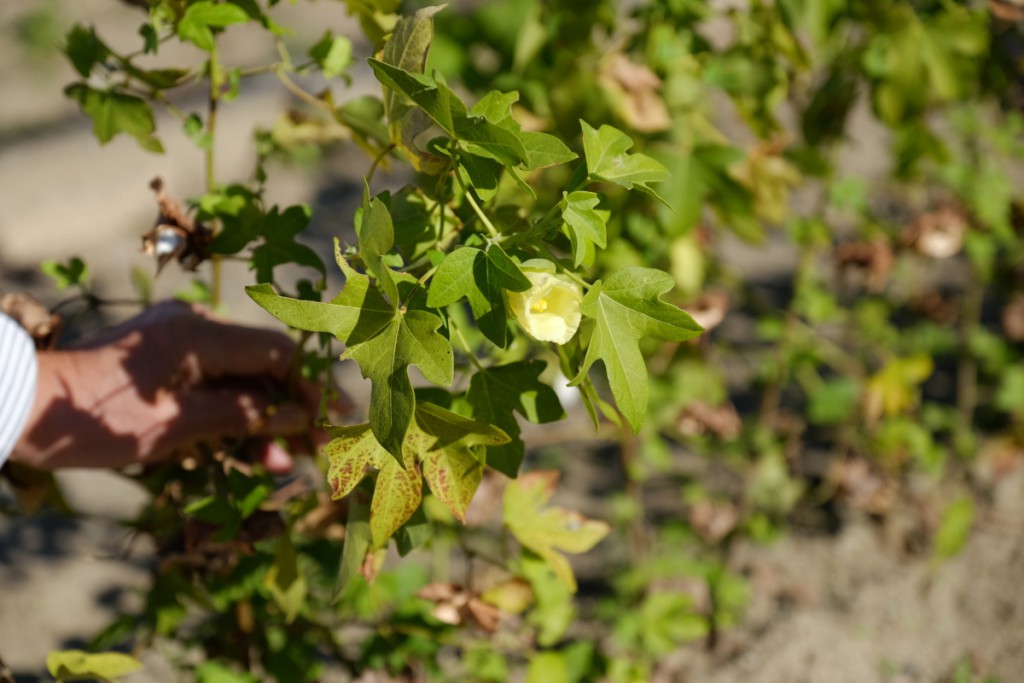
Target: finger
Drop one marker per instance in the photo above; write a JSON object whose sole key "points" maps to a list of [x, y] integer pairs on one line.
{"points": [[275, 459], [214, 413], [219, 349]]}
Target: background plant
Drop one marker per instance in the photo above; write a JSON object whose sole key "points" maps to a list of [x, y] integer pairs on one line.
{"points": [[890, 348]]}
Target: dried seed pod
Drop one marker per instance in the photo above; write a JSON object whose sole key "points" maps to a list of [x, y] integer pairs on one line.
{"points": [[37, 320], [713, 520], [699, 418], [938, 234], [709, 309], [937, 307], [873, 259], [175, 235]]}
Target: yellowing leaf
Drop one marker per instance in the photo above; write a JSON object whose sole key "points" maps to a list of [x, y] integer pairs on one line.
{"points": [[893, 389], [75, 665], [446, 445], [546, 531], [353, 454]]}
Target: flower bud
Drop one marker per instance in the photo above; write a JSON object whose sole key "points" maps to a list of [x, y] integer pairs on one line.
{"points": [[550, 309]]}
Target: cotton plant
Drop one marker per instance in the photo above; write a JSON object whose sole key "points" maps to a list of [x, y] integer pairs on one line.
{"points": [[483, 244]]}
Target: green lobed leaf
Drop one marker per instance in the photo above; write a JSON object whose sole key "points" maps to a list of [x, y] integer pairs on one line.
{"points": [[480, 173], [114, 112], [358, 312], [482, 277], [201, 17], [436, 100], [76, 665], [73, 274], [279, 247], [482, 138], [410, 338], [85, 49], [609, 159], [333, 54], [497, 392], [627, 307], [540, 149], [478, 135], [585, 224], [548, 531]]}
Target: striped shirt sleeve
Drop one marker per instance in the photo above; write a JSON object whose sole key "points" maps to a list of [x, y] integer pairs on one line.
{"points": [[18, 373]]}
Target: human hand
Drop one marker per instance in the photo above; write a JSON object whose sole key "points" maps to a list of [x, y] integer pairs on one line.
{"points": [[168, 379]]}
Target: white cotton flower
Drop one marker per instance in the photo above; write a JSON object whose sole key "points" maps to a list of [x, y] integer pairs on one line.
{"points": [[550, 309]]}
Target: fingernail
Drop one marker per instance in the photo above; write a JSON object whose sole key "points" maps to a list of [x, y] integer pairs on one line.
{"points": [[276, 459]]}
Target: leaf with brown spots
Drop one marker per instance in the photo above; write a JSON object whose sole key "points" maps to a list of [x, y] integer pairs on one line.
{"points": [[396, 497], [449, 446], [353, 454]]}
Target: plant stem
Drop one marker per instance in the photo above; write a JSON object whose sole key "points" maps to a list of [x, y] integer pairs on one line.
{"points": [[465, 344], [377, 161], [295, 89], [967, 371], [210, 162], [476, 208], [634, 491], [421, 282]]}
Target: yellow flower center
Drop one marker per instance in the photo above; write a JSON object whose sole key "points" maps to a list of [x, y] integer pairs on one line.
{"points": [[539, 306]]}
